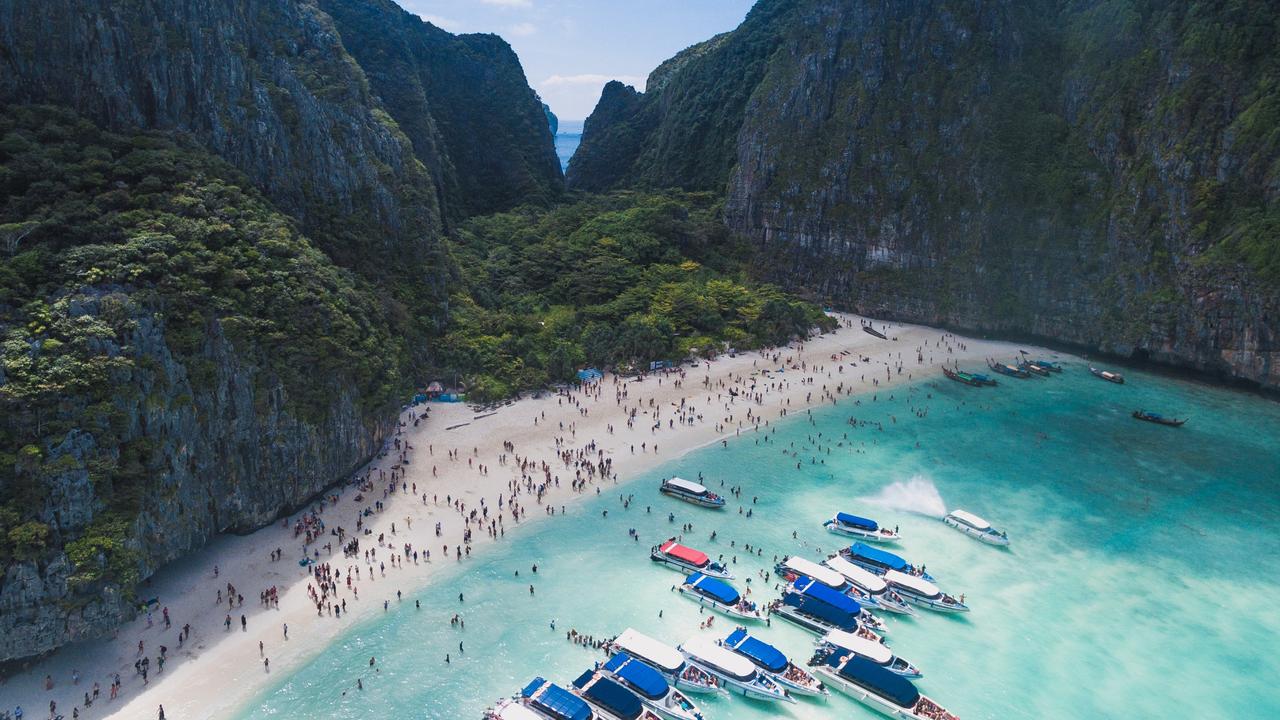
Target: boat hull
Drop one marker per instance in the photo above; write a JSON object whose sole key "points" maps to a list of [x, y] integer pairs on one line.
{"points": [[716, 504], [979, 535], [812, 624], [934, 605], [719, 607], [686, 568], [737, 687], [815, 689], [859, 693], [874, 536]]}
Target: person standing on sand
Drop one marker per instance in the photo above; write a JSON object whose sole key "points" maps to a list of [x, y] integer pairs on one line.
{"points": [[161, 715]]}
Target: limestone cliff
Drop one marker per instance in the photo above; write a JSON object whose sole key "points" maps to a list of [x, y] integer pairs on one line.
{"points": [[1097, 173]]}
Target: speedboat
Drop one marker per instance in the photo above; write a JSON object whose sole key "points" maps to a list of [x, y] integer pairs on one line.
{"points": [[975, 527], [880, 561], [918, 591], [686, 559], [665, 659], [691, 492], [1158, 419], [739, 675], [793, 569], [860, 527], [1107, 375], [879, 653], [549, 701], [868, 588], [720, 596], [651, 687], [817, 608], [511, 710], [771, 661], [610, 699], [878, 688]]}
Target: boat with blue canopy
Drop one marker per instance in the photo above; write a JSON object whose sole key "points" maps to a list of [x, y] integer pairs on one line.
{"points": [[738, 674], [553, 702], [817, 608], [878, 688], [865, 528], [720, 596], [879, 653], [510, 709], [651, 687], [868, 588], [769, 659], [794, 568], [611, 700], [665, 659], [880, 561]]}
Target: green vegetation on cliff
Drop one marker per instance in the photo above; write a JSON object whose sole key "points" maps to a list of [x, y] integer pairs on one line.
{"points": [[609, 280]]}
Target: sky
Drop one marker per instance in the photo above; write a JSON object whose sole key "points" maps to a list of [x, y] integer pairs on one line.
{"points": [[571, 48]]}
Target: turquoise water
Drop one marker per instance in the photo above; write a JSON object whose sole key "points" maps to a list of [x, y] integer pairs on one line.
{"points": [[1142, 579]]}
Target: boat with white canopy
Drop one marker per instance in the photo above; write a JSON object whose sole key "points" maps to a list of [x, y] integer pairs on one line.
{"points": [[774, 663], [691, 492], [651, 687], [861, 528], [687, 560], [794, 568], [720, 596], [511, 710], [665, 659], [868, 588], [975, 527], [917, 590], [879, 653], [738, 674], [610, 699], [878, 688]]}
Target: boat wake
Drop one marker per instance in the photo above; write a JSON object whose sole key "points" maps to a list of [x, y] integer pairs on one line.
{"points": [[918, 495]]}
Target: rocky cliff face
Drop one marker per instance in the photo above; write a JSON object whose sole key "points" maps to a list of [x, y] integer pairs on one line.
{"points": [[221, 268], [1099, 173], [464, 102]]}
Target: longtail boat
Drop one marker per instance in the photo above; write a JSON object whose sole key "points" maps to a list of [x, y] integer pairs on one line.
{"points": [[1028, 366], [1107, 375], [872, 331], [1158, 418], [1006, 369], [971, 379]]}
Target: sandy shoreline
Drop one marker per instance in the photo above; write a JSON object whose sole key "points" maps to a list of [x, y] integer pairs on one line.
{"points": [[216, 672]]}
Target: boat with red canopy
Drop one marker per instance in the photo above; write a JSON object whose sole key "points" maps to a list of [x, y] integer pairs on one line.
{"points": [[687, 560]]}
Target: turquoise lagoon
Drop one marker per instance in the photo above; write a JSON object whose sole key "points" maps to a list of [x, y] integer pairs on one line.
{"points": [[1142, 581]]}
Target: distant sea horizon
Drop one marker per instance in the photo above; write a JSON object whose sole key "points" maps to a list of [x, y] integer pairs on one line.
{"points": [[568, 137]]}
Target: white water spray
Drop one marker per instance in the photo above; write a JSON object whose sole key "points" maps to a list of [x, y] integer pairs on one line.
{"points": [[918, 495]]}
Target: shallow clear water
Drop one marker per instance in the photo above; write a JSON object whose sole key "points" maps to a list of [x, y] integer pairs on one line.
{"points": [[1141, 581]]}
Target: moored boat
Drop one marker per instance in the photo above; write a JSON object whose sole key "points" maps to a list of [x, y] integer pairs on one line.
{"points": [[510, 710], [975, 527], [1158, 418], [860, 527], [772, 661], [915, 589], [687, 560], [552, 702], [1107, 375], [691, 492], [665, 659], [968, 378], [879, 561], [878, 688], [1034, 368], [879, 653], [817, 608], [720, 596], [868, 588], [738, 674], [794, 569], [651, 687], [1007, 369], [610, 699], [872, 331]]}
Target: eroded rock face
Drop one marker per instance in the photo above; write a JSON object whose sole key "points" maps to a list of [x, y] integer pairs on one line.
{"points": [[1094, 175]]}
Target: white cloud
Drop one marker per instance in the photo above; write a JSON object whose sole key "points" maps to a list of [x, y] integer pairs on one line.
{"points": [[509, 3], [443, 23], [522, 29], [591, 79]]}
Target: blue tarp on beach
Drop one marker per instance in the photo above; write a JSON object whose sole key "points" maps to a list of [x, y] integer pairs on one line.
{"points": [[589, 375]]}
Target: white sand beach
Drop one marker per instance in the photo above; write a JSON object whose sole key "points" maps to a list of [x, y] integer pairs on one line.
{"points": [[217, 670]]}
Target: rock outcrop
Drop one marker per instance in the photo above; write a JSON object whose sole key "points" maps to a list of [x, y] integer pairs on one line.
{"points": [[1101, 174]]}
